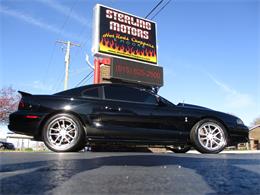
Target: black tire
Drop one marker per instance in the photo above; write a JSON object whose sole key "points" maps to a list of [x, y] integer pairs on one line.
{"points": [[2, 147], [209, 143], [67, 129], [180, 149]]}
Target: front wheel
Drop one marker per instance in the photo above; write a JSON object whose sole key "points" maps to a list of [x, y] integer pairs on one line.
{"points": [[209, 136], [64, 133]]}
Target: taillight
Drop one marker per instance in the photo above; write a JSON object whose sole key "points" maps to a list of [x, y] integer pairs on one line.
{"points": [[31, 116], [21, 105]]}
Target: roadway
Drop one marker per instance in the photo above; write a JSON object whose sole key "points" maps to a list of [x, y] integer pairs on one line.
{"points": [[129, 173]]}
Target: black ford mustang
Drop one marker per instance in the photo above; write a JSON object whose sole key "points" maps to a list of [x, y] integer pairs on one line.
{"points": [[106, 114]]}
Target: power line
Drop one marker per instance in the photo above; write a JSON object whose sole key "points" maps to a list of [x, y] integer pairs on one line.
{"points": [[161, 9], [61, 29], [50, 61], [81, 32], [89, 78], [83, 44], [68, 16], [153, 9], [67, 60], [84, 78], [157, 5], [59, 81]]}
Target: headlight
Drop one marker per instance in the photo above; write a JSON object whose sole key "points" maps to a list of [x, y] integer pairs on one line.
{"points": [[240, 122]]}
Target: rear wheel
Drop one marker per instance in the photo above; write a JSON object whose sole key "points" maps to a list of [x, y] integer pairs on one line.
{"points": [[64, 133], [2, 147], [209, 136]]}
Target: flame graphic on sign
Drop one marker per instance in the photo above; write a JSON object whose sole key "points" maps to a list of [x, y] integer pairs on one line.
{"points": [[111, 46]]}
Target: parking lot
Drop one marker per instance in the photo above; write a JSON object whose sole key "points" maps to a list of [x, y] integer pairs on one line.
{"points": [[129, 173]]}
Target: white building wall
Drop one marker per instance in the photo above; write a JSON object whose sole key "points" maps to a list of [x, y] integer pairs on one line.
{"points": [[20, 143]]}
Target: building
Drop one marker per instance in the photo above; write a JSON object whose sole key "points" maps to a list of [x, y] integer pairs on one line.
{"points": [[254, 136], [22, 142]]}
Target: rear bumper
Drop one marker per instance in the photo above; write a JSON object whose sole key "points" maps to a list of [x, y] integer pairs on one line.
{"points": [[19, 123]]}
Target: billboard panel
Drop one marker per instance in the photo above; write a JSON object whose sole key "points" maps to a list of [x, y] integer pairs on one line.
{"points": [[136, 72], [124, 35]]}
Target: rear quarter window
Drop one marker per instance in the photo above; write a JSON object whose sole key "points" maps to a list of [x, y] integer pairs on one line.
{"points": [[90, 93]]}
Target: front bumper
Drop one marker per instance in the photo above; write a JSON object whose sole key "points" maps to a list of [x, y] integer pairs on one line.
{"points": [[238, 134]]}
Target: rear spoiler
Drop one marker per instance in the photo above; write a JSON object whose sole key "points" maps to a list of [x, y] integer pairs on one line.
{"points": [[24, 93]]}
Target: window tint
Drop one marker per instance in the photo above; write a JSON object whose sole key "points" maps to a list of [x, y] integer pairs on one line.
{"points": [[129, 94], [92, 92]]}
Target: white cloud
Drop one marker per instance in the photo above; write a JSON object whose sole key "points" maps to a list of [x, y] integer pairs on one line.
{"points": [[33, 21], [67, 11], [234, 99]]}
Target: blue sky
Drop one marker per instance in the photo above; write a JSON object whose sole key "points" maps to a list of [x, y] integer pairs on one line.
{"points": [[209, 49]]}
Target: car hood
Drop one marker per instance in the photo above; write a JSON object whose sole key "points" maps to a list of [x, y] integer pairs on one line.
{"points": [[184, 105]]}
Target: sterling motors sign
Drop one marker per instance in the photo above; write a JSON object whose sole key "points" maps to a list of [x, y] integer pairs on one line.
{"points": [[123, 35]]}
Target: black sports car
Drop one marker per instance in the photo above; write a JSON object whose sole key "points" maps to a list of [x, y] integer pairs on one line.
{"points": [[106, 114], [6, 146]]}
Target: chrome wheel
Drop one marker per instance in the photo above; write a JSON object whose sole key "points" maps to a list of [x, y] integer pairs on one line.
{"points": [[211, 136], [62, 133]]}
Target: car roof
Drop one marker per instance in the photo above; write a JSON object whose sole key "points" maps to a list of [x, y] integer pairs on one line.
{"points": [[81, 88], [118, 84]]}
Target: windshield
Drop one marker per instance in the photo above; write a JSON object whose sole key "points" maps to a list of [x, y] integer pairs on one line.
{"points": [[165, 101]]}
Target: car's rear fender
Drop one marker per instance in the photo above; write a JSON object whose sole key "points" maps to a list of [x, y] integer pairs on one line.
{"points": [[84, 122]]}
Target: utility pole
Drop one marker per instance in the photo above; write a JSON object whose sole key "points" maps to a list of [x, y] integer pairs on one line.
{"points": [[67, 60]]}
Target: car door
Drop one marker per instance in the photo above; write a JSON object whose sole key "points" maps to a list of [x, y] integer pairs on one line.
{"points": [[170, 121], [130, 113], [126, 114]]}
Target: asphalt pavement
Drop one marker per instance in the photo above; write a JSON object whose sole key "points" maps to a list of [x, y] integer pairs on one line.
{"points": [[129, 173]]}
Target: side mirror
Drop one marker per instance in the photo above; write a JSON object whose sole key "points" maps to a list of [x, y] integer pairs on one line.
{"points": [[159, 101]]}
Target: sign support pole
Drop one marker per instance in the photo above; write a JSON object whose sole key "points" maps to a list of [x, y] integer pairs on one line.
{"points": [[96, 71]]}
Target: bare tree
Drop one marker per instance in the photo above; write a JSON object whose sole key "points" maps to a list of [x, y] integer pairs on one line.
{"points": [[256, 121], [9, 100]]}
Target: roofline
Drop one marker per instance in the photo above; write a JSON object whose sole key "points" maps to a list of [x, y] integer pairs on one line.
{"points": [[254, 127], [120, 84], [145, 87]]}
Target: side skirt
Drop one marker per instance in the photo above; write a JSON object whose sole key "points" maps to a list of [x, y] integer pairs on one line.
{"points": [[125, 142]]}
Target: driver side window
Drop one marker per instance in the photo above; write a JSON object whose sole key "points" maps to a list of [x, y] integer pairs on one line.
{"points": [[129, 94]]}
